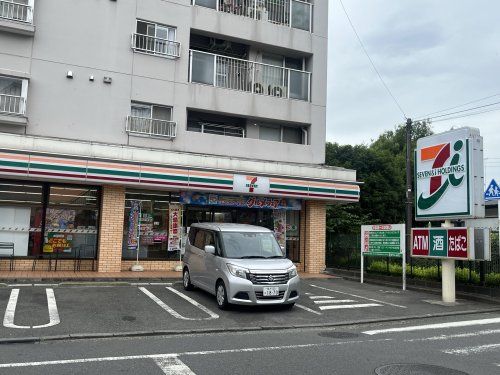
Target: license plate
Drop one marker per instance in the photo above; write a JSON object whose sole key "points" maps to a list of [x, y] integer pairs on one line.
{"points": [[271, 291]]}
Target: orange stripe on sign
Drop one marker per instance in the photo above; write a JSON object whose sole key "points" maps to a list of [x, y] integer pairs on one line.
{"points": [[430, 153]]}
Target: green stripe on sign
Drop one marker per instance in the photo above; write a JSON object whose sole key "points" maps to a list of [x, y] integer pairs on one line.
{"points": [[322, 190], [288, 187], [348, 192], [112, 172], [13, 163], [164, 176], [53, 167], [210, 181]]}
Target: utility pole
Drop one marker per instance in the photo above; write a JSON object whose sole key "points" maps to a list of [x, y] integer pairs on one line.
{"points": [[409, 189]]}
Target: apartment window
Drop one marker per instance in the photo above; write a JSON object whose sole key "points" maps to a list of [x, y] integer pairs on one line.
{"points": [[287, 134], [216, 124], [155, 39], [13, 92], [17, 10], [151, 120]]}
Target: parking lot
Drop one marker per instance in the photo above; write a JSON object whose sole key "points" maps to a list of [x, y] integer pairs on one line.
{"points": [[42, 310]]}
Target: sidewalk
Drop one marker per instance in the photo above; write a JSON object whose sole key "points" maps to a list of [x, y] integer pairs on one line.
{"points": [[91, 276]]}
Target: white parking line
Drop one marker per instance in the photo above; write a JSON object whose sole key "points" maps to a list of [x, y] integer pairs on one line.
{"points": [[195, 353], [456, 336], [18, 285], [335, 301], [464, 323], [174, 313], [173, 366], [308, 309], [10, 311], [320, 297], [355, 306], [354, 295], [473, 349], [198, 305]]}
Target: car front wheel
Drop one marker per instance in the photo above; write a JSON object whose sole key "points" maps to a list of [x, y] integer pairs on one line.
{"points": [[186, 280], [221, 295]]}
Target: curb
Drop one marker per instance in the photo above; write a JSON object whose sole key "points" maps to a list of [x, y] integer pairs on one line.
{"points": [[201, 331]]}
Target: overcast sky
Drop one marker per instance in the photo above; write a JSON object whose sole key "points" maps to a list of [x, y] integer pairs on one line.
{"points": [[433, 54]]}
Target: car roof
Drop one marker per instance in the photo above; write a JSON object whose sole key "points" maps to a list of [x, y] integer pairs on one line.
{"points": [[230, 227]]}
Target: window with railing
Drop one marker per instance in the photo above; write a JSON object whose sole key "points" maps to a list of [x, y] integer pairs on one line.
{"points": [[17, 10], [211, 123], [292, 13], [155, 39], [13, 93], [151, 120], [218, 129], [283, 133], [249, 76]]}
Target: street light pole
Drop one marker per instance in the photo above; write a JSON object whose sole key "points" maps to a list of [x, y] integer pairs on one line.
{"points": [[409, 189]]}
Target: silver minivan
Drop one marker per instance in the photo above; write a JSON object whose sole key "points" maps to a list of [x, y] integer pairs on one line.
{"points": [[240, 264]]}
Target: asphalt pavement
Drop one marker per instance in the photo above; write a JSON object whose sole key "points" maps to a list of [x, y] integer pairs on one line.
{"points": [[39, 312]]}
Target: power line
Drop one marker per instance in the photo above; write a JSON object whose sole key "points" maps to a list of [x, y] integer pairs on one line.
{"points": [[461, 105], [371, 61], [462, 111], [466, 115]]}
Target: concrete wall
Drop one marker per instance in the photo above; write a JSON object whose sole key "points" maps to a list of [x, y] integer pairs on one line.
{"points": [[93, 37]]}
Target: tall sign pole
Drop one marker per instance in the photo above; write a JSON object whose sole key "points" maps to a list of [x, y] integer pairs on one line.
{"points": [[409, 195]]}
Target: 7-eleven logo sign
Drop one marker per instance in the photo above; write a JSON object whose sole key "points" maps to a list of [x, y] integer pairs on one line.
{"points": [[445, 170], [250, 184]]}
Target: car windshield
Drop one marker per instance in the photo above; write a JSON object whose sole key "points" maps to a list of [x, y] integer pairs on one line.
{"points": [[251, 245]]}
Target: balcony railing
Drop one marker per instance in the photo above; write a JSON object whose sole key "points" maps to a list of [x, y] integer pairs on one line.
{"points": [[292, 13], [249, 76], [155, 46], [12, 104], [16, 11], [209, 128], [151, 127]]}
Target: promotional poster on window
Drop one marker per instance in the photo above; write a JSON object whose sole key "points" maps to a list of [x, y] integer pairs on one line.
{"points": [[279, 217], [133, 225]]}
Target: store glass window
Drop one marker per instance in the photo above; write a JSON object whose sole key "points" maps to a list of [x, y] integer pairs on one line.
{"points": [[71, 221], [293, 235], [21, 216], [154, 225]]}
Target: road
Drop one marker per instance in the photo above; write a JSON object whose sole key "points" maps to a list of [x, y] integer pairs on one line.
{"points": [[339, 327]]}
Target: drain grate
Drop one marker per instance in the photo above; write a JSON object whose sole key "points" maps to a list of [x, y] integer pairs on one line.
{"points": [[416, 369], [338, 335]]}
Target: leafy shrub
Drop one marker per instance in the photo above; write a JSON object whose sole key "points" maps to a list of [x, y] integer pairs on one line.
{"points": [[492, 279]]}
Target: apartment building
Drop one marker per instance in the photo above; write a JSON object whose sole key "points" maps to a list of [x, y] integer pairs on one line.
{"points": [[122, 122]]}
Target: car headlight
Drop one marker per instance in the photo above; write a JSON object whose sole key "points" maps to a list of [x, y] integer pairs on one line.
{"points": [[292, 272], [238, 271]]}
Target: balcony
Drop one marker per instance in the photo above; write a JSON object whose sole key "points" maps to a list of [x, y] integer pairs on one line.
{"points": [[12, 105], [291, 13], [17, 17], [151, 127], [249, 76], [155, 46], [217, 129]]}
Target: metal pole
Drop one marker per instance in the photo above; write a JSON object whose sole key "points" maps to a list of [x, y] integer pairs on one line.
{"points": [[409, 195], [362, 265]]}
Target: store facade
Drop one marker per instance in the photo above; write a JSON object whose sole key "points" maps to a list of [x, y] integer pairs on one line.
{"points": [[104, 213]]}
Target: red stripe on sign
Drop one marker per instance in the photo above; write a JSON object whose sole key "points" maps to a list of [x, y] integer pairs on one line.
{"points": [[420, 242], [211, 186]]}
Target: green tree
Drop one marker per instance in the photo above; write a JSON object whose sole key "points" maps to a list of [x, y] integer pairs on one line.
{"points": [[381, 166]]}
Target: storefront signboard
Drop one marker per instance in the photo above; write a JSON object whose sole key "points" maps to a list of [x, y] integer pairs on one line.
{"points": [[449, 175], [133, 225], [174, 227], [250, 184], [58, 242], [279, 217], [240, 201], [451, 243]]}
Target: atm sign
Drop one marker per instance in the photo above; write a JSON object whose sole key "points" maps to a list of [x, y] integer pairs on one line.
{"points": [[440, 243]]}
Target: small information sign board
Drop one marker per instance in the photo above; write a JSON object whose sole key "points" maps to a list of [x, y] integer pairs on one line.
{"points": [[386, 240]]}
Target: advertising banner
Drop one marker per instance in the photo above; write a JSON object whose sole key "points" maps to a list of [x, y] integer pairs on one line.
{"points": [[60, 218], [383, 240], [58, 242], [452, 243], [449, 175], [174, 227], [133, 225], [240, 201], [279, 217]]}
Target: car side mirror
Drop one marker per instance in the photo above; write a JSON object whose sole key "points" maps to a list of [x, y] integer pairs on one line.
{"points": [[209, 249]]}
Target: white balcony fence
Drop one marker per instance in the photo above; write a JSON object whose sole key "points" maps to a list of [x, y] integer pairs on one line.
{"points": [[249, 76], [227, 130], [155, 45], [16, 11], [292, 13], [12, 104], [151, 127]]}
